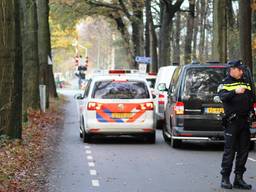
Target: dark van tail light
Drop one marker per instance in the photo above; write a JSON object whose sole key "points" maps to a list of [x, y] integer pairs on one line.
{"points": [[161, 99], [91, 106], [161, 103], [146, 106], [179, 108], [254, 107]]}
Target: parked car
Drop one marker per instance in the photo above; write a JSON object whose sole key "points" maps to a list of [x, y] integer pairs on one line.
{"points": [[164, 75], [117, 104], [194, 110]]}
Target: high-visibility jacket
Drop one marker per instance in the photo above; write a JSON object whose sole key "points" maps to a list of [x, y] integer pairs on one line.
{"points": [[240, 104]]}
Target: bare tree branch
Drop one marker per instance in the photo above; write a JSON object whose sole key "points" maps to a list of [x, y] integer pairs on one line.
{"points": [[177, 4], [124, 9], [102, 4]]}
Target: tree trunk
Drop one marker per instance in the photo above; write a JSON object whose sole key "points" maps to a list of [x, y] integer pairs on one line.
{"points": [[176, 40], [30, 57], [197, 17], [152, 49], [137, 30], [43, 44], [164, 38], [10, 70], [245, 32], [52, 85], [220, 31], [126, 37], [167, 13], [233, 49], [147, 32], [202, 24], [189, 34], [208, 50]]}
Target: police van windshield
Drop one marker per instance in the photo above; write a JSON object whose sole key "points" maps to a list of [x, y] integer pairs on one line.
{"points": [[120, 90], [202, 83]]}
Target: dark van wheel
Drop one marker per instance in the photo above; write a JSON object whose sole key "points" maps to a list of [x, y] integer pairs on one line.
{"points": [[166, 138], [175, 143]]}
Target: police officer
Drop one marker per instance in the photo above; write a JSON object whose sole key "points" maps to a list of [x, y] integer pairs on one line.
{"points": [[236, 94]]}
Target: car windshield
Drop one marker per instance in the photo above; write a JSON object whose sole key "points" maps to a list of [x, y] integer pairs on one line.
{"points": [[120, 90], [202, 83]]}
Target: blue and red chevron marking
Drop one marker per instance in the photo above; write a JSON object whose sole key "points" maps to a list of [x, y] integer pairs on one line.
{"points": [[104, 116]]}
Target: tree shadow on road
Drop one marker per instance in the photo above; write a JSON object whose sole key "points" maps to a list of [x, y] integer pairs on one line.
{"points": [[99, 139], [200, 146]]}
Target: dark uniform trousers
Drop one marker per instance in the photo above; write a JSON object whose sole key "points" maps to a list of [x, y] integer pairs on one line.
{"points": [[237, 139]]}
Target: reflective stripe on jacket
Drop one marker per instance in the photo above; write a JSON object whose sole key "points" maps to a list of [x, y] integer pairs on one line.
{"points": [[233, 86], [233, 103]]}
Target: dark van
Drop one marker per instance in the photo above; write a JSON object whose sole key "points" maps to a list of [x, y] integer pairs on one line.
{"points": [[194, 110]]}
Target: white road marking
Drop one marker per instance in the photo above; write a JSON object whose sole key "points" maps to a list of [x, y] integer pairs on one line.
{"points": [[93, 172], [89, 157], [91, 164], [252, 159], [95, 183]]}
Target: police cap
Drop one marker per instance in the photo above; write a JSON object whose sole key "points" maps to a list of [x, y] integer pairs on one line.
{"points": [[236, 64]]}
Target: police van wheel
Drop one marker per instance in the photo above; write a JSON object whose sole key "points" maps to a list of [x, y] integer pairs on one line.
{"points": [[81, 132], [86, 137]]}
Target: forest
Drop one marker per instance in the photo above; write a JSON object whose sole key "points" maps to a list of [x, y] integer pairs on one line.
{"points": [[111, 33]]}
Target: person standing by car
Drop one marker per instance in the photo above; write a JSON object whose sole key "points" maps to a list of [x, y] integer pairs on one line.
{"points": [[237, 98]]}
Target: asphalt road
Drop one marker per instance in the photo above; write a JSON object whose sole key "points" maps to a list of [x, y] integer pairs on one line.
{"points": [[128, 164]]}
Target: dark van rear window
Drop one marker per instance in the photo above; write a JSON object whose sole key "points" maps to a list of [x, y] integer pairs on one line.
{"points": [[202, 83], [120, 90]]}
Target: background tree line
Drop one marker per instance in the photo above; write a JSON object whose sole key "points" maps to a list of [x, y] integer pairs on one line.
{"points": [[24, 50], [169, 31], [173, 31]]}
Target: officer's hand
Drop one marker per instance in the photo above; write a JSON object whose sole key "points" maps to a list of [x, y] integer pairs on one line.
{"points": [[252, 116], [240, 90]]}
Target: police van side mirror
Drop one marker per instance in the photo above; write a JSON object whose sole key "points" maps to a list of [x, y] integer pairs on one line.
{"points": [[162, 87], [78, 96]]}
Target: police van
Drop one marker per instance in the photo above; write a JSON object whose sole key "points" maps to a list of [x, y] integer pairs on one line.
{"points": [[117, 102]]}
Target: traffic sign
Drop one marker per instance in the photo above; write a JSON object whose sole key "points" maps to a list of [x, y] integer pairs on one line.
{"points": [[143, 67], [142, 59]]}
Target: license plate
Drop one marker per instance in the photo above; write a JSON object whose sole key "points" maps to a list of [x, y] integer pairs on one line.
{"points": [[214, 110], [121, 115]]}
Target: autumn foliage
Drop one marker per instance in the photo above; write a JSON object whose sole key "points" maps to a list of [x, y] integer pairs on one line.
{"points": [[23, 161]]}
